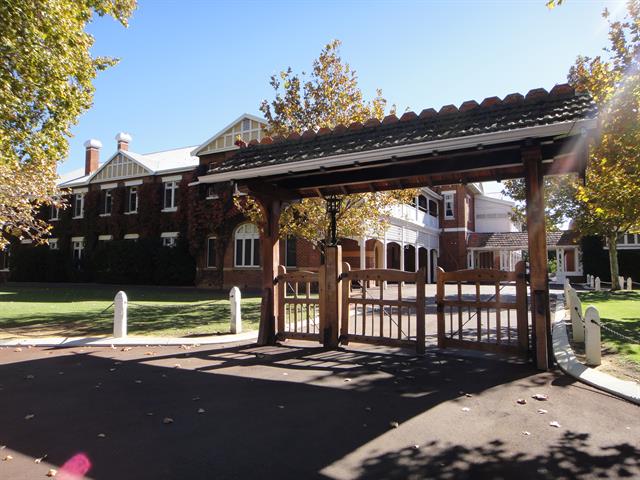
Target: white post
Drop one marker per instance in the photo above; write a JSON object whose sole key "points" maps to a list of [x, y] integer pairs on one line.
{"points": [[592, 344], [429, 279], [621, 282], [597, 286], [629, 284], [236, 319], [576, 317], [567, 287], [592, 282], [120, 315], [363, 253]]}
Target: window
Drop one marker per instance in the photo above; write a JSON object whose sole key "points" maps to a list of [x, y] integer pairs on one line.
{"points": [[4, 259], [211, 193], [211, 252], [107, 201], [422, 203], [78, 205], [169, 239], [170, 195], [448, 205], [132, 200], [77, 246], [290, 252], [247, 246], [433, 208], [53, 244], [54, 213]]}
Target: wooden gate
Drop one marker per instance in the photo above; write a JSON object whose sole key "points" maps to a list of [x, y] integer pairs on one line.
{"points": [[483, 318], [299, 305], [372, 316]]}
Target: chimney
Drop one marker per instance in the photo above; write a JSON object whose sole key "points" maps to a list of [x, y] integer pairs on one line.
{"points": [[92, 155], [123, 140]]}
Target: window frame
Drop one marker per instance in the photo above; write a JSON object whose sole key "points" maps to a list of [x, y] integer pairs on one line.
{"points": [[78, 199], [449, 198], [78, 246], [132, 190], [107, 201], [170, 186], [208, 264], [169, 239], [250, 239]]}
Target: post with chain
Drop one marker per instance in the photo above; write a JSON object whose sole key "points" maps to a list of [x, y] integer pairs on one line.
{"points": [[577, 325], [593, 341]]}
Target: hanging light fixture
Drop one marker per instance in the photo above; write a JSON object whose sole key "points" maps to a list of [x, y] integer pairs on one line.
{"points": [[334, 203]]}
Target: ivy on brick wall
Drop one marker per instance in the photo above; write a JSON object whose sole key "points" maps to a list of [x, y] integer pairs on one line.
{"points": [[145, 261]]}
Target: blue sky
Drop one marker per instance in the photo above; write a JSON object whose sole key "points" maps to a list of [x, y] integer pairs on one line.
{"points": [[190, 67]]}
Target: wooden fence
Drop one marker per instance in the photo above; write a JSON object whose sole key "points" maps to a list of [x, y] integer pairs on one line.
{"points": [[299, 304]]}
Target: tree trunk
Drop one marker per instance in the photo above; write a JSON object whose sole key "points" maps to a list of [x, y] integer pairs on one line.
{"points": [[613, 261]]}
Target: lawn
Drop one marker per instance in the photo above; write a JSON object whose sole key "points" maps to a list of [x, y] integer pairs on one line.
{"points": [[86, 309], [619, 311]]}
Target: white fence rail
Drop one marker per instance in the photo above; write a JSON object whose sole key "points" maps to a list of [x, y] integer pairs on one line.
{"points": [[585, 325]]}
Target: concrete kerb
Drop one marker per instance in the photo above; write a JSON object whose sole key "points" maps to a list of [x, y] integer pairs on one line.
{"points": [[131, 341], [569, 364]]}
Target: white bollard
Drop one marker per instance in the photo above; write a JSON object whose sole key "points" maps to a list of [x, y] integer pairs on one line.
{"points": [[592, 344], [598, 286], [120, 315], [621, 282], [629, 284], [234, 300], [589, 279], [576, 317], [567, 294], [592, 282]]}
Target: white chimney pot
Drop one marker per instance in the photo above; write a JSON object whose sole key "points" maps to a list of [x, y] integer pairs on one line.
{"points": [[123, 137], [93, 143]]}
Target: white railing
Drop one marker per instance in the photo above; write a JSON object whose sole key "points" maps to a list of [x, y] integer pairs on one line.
{"points": [[585, 325]]}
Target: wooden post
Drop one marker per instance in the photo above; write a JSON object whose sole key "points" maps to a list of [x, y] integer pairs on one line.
{"points": [[344, 316], [420, 310], [521, 306], [282, 290], [333, 296], [270, 256], [440, 307], [541, 314]]}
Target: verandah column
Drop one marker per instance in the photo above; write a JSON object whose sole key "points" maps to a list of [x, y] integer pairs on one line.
{"points": [[330, 323], [270, 255], [537, 239]]}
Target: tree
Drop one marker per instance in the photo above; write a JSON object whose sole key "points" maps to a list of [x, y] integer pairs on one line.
{"points": [[608, 204], [326, 98], [46, 74], [559, 198]]}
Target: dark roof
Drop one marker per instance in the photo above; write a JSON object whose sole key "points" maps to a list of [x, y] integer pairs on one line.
{"points": [[519, 240], [515, 111]]}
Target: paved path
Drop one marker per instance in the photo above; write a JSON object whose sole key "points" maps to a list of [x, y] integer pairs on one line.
{"points": [[298, 412]]}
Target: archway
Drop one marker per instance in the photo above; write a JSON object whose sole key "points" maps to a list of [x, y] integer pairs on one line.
{"points": [[409, 258], [393, 255], [423, 261]]}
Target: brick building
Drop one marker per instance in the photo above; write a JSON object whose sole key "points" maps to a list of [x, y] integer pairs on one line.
{"points": [[132, 198]]}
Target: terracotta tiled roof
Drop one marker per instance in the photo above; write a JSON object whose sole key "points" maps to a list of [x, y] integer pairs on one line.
{"points": [[518, 239], [515, 111]]}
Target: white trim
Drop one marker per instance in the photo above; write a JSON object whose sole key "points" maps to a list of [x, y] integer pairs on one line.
{"points": [[104, 215], [133, 183], [444, 192], [166, 210], [169, 234], [131, 213], [80, 190], [131, 236], [198, 150], [77, 239], [456, 229], [108, 186], [105, 238], [557, 129], [26, 241], [172, 178]]}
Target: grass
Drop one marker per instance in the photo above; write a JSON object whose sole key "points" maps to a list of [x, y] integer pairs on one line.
{"points": [[86, 309], [621, 312]]}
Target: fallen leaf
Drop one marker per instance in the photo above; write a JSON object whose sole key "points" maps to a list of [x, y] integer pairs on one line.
{"points": [[177, 365], [167, 420], [466, 409], [125, 349], [416, 447], [30, 377], [347, 379], [113, 347], [554, 424], [542, 411], [52, 472], [367, 409], [60, 373], [102, 435], [149, 353], [149, 414], [541, 397], [138, 381], [394, 424], [526, 433], [112, 369], [521, 401], [29, 416], [7, 458], [117, 363], [201, 410], [17, 350], [468, 395], [38, 460], [195, 399], [281, 406]]}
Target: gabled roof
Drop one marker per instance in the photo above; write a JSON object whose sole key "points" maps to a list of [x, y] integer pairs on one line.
{"points": [[155, 163], [518, 240], [200, 148], [493, 117]]}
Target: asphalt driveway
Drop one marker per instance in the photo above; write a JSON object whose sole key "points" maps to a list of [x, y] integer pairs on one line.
{"points": [[300, 412]]}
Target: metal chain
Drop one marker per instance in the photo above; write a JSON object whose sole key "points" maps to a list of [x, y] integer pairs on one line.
{"points": [[608, 329]]}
